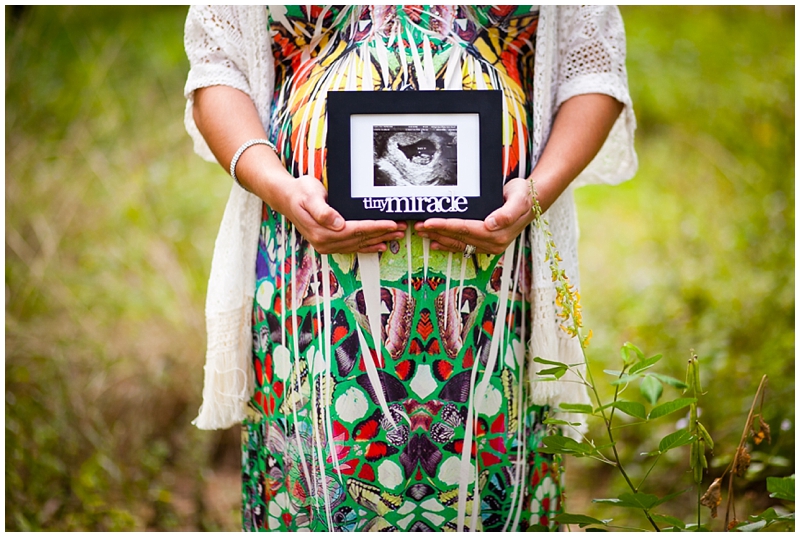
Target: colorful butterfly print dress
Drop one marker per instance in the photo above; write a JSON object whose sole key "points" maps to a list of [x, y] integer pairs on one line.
{"points": [[414, 418]]}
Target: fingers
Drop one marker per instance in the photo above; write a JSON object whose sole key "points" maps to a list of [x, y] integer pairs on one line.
{"points": [[366, 236], [453, 234], [446, 244], [373, 249]]}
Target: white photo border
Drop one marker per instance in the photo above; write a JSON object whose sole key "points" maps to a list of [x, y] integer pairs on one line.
{"points": [[362, 165]]}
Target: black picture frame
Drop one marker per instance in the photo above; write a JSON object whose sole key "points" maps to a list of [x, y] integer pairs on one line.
{"points": [[428, 154]]}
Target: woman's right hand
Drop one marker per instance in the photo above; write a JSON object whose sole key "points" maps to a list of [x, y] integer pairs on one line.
{"points": [[227, 118], [304, 203]]}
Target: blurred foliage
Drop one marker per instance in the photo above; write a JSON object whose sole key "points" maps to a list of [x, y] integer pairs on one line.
{"points": [[697, 251], [110, 223], [111, 218]]}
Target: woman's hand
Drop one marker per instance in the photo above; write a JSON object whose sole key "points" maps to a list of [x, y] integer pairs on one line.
{"points": [[304, 203], [490, 236], [227, 117]]}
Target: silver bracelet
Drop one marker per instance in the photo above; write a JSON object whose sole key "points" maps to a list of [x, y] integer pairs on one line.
{"points": [[242, 149]]}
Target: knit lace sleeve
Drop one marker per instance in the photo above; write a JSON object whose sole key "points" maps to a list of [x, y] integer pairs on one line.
{"points": [[229, 46], [222, 51], [592, 60]]}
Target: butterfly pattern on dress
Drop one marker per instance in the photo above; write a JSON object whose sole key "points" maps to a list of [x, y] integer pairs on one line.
{"points": [[433, 431]]}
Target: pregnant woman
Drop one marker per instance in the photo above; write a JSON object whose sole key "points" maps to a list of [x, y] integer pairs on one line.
{"points": [[383, 371]]}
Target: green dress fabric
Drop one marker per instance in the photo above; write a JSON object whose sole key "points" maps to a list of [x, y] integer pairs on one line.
{"points": [[426, 425]]}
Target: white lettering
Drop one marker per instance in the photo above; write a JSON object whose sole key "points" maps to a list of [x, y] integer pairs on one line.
{"points": [[404, 204], [457, 201]]}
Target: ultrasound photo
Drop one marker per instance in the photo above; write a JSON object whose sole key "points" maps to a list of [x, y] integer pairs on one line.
{"points": [[415, 155]]}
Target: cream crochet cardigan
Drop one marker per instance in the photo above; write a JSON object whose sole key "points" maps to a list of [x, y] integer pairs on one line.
{"points": [[578, 50]]}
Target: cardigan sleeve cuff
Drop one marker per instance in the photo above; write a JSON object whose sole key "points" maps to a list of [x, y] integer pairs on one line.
{"points": [[203, 76], [616, 161]]}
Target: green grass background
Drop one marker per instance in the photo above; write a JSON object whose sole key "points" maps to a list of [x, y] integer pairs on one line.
{"points": [[111, 218]]}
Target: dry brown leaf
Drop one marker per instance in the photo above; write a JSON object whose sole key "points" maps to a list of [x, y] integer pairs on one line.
{"points": [[764, 426], [760, 433], [713, 497], [741, 462]]}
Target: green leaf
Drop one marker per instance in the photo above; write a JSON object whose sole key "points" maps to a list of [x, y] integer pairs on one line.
{"points": [[781, 487], [645, 364], [612, 372], [753, 526], [606, 446], [631, 409], [639, 499], [770, 515], [629, 349], [548, 362], [668, 497], [633, 500], [670, 381], [695, 527], [557, 372], [581, 520], [578, 409], [675, 440], [671, 520], [623, 380], [603, 407], [551, 421], [670, 407], [651, 389], [565, 445]]}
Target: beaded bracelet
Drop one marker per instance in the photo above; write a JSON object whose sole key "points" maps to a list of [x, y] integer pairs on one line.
{"points": [[242, 149]]}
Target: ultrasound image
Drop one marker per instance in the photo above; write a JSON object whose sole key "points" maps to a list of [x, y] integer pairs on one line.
{"points": [[415, 155]]}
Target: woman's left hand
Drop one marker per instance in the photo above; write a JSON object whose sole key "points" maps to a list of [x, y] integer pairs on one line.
{"points": [[490, 236]]}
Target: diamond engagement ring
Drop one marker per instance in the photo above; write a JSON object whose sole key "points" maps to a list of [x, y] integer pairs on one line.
{"points": [[469, 250]]}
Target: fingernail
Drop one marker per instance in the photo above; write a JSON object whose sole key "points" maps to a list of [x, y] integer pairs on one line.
{"points": [[338, 222], [422, 234], [491, 223]]}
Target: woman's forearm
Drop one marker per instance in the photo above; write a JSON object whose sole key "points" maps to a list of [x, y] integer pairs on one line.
{"points": [[579, 131], [227, 117]]}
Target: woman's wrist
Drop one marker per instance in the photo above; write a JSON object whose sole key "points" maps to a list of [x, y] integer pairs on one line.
{"points": [[546, 188], [261, 172]]}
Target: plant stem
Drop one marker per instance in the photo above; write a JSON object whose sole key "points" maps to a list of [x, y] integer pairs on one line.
{"points": [[699, 495], [729, 504], [572, 306], [609, 431], [693, 416], [648, 471]]}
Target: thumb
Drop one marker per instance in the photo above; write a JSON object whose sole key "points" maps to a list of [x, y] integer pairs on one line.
{"points": [[322, 213], [515, 206]]}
